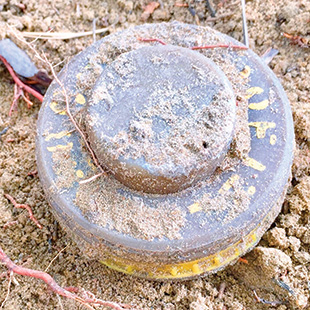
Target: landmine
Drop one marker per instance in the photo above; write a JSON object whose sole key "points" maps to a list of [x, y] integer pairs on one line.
{"points": [[197, 148]]}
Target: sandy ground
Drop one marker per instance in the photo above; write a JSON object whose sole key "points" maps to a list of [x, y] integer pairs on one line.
{"points": [[283, 253]]}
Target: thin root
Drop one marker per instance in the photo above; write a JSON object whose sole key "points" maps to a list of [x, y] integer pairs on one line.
{"points": [[232, 46], [152, 40], [72, 118], [243, 260], [9, 224], [23, 206], [8, 291], [267, 302], [297, 40], [86, 301], [19, 82]]}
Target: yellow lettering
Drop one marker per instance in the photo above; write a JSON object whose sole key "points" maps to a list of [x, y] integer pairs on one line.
{"points": [[196, 269], [58, 135], [253, 91], [80, 99], [79, 174], [273, 139], [60, 147], [251, 190], [261, 128], [251, 162], [195, 207], [229, 183], [55, 108], [216, 261], [245, 73], [259, 105], [174, 271]]}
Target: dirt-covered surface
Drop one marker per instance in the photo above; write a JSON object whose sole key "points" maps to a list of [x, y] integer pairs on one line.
{"points": [[278, 270]]}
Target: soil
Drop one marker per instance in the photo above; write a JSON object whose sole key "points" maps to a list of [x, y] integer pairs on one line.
{"points": [[278, 269]]}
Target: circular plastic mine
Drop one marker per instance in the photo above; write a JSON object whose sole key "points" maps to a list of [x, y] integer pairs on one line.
{"points": [[194, 178], [161, 118]]}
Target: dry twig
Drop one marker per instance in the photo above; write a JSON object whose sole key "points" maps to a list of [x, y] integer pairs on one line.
{"points": [[61, 35]]}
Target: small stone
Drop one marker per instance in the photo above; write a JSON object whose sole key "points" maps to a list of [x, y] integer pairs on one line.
{"points": [[277, 237], [199, 304], [48, 21], [132, 18], [272, 261], [290, 222], [126, 5], [302, 257], [27, 22], [294, 243], [301, 193], [88, 15], [161, 15], [16, 22], [306, 237], [301, 301]]}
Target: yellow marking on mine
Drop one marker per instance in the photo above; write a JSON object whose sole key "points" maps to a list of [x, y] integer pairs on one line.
{"points": [[56, 93], [273, 139], [60, 147], [195, 207], [253, 163], [55, 108], [261, 128], [91, 164], [237, 252], [259, 105], [245, 73], [253, 91], [253, 238], [187, 269], [216, 261], [79, 75], [174, 271], [58, 135], [129, 269], [196, 269], [79, 174], [80, 99], [229, 183], [251, 190]]}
